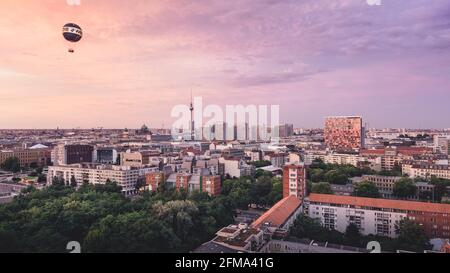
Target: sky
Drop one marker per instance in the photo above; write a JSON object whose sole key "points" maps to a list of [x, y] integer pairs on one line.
{"points": [[389, 63]]}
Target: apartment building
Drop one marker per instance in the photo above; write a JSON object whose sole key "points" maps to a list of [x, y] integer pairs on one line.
{"points": [[236, 167], [67, 154], [124, 176], [276, 159], [390, 157], [385, 184], [294, 180], [211, 184], [105, 155], [442, 144], [40, 157], [378, 216], [154, 180], [425, 170]]}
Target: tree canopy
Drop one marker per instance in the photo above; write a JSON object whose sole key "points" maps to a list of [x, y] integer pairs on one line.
{"points": [[404, 187], [11, 164], [411, 236], [321, 187], [103, 220], [264, 191], [366, 189]]}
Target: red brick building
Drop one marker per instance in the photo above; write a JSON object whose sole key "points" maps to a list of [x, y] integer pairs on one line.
{"points": [[294, 180], [154, 180], [211, 184], [182, 181]]}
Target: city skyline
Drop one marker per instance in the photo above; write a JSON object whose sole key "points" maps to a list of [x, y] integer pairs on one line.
{"points": [[137, 60]]}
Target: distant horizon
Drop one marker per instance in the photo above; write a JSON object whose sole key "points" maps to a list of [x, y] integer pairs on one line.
{"points": [[158, 128], [140, 58]]}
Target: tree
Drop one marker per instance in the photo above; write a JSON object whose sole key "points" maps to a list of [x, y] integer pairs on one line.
{"points": [[412, 236], [261, 163], [133, 232], [140, 184], [11, 164], [322, 188], [366, 189], [440, 187], [404, 187], [103, 220], [276, 194], [261, 172], [310, 228], [336, 177], [352, 235], [316, 175], [73, 182], [261, 188], [58, 181]]}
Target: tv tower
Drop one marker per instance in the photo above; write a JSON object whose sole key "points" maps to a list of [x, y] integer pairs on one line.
{"points": [[191, 108]]}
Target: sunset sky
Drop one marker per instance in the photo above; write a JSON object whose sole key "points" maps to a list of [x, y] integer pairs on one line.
{"points": [[140, 58]]}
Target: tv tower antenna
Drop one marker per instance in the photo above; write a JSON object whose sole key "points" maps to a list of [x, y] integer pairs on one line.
{"points": [[191, 108]]}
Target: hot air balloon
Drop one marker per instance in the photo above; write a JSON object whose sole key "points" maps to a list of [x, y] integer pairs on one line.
{"points": [[72, 33]]}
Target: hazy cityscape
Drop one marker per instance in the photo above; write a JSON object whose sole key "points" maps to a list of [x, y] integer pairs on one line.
{"points": [[257, 127], [326, 180]]}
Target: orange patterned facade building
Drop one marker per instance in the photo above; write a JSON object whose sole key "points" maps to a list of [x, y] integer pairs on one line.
{"points": [[344, 133]]}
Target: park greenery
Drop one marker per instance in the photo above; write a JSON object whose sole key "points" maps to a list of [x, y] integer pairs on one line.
{"points": [[11, 164], [366, 189], [411, 236], [261, 163], [340, 173], [320, 172], [321, 188], [404, 187], [334, 173], [103, 220], [263, 191]]}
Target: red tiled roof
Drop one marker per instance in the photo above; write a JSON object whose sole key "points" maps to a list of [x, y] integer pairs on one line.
{"points": [[279, 213], [373, 152], [379, 203]]}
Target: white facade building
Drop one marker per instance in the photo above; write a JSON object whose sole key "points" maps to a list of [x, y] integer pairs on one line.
{"points": [[338, 217], [124, 176]]}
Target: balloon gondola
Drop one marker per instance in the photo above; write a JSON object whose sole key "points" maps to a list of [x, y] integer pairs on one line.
{"points": [[72, 33]]}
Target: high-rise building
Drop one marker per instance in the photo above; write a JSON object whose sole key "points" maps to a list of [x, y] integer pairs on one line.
{"points": [[66, 154], [442, 144], [344, 133], [104, 155], [286, 130], [294, 180]]}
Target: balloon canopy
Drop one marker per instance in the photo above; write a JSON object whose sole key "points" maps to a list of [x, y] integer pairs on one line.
{"points": [[72, 32]]}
